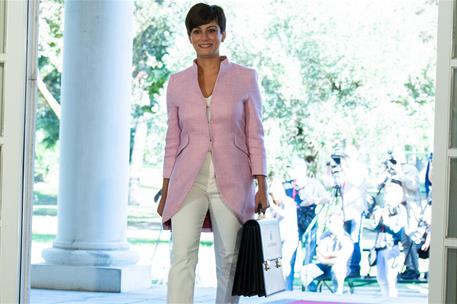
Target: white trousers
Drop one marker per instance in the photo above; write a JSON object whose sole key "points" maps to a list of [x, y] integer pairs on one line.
{"points": [[186, 230], [388, 265]]}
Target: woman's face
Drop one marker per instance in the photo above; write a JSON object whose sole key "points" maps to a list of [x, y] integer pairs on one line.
{"points": [[206, 39]]}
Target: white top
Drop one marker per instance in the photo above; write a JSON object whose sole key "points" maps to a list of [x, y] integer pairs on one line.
{"points": [[208, 107], [208, 113]]}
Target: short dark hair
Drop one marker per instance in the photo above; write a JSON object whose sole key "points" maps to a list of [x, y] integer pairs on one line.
{"points": [[202, 13]]}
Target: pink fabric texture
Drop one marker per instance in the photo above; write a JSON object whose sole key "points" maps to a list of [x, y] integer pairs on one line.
{"points": [[234, 135]]}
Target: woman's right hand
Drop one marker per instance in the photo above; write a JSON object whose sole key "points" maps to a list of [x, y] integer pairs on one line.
{"points": [[161, 204], [163, 197]]}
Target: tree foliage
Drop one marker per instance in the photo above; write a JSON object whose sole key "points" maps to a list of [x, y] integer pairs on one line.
{"points": [[330, 72], [50, 67], [152, 40]]}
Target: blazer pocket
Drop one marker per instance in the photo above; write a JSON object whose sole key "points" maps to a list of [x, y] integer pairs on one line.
{"points": [[183, 144], [241, 145]]}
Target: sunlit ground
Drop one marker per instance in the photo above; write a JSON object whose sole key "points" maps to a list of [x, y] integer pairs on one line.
{"points": [[152, 244]]}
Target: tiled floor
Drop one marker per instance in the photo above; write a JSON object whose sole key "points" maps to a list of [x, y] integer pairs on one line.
{"points": [[411, 294]]}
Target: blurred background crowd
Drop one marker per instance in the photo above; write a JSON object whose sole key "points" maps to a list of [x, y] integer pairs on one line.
{"points": [[325, 217]]}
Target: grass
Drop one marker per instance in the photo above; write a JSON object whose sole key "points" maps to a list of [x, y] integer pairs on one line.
{"points": [[140, 221], [45, 212], [43, 238], [46, 238], [40, 198], [45, 195], [132, 220]]}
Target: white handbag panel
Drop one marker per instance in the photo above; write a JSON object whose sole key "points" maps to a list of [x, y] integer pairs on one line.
{"points": [[272, 256], [271, 239]]}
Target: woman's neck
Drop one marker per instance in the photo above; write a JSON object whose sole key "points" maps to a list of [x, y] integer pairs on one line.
{"points": [[209, 66]]}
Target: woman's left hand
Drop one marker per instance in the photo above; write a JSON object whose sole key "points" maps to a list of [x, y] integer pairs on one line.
{"points": [[261, 201], [261, 197]]}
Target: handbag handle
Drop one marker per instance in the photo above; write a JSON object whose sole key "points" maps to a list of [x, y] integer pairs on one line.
{"points": [[260, 213], [260, 216]]}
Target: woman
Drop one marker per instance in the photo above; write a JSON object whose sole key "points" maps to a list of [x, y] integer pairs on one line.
{"points": [[214, 150]]}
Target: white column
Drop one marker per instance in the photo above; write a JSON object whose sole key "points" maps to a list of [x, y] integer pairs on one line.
{"points": [[94, 151]]}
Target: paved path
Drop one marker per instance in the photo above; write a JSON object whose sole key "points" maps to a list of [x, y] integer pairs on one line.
{"points": [[409, 293]]}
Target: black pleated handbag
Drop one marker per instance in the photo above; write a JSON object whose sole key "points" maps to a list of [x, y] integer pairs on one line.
{"points": [[259, 269]]}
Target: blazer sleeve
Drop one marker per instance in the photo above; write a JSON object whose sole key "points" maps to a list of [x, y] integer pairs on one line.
{"points": [[173, 132], [254, 128]]}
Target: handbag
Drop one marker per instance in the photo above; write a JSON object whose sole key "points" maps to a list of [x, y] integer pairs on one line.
{"points": [[259, 266]]}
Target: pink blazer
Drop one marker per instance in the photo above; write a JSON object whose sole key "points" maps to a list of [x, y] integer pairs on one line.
{"points": [[234, 135]]}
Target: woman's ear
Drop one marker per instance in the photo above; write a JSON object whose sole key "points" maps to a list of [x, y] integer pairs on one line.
{"points": [[223, 37]]}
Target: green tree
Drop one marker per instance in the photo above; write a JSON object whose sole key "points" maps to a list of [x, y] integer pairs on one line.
{"points": [[49, 66], [150, 73], [329, 73]]}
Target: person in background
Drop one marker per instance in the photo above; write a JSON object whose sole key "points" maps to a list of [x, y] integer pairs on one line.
{"points": [[409, 177], [284, 210], [333, 252], [353, 182], [390, 225], [307, 192], [423, 234], [428, 178]]}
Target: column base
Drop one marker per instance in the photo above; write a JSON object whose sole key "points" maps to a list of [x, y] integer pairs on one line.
{"points": [[81, 257], [90, 278]]}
